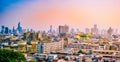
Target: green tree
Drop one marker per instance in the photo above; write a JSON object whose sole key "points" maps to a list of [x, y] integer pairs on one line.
{"points": [[80, 51], [11, 56]]}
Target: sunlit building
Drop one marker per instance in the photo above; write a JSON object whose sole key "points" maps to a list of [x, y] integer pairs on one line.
{"points": [[33, 46], [53, 47], [22, 46]]}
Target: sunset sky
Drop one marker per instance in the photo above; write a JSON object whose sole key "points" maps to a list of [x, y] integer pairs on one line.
{"points": [[40, 14]]}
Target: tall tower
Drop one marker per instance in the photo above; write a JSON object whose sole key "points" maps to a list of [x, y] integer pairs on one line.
{"points": [[13, 30], [6, 30], [63, 29], [110, 31], [50, 30], [95, 28], [87, 31], [72, 31], [2, 29], [19, 28]]}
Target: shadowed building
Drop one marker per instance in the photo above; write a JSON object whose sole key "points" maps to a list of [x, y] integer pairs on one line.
{"points": [[63, 29]]}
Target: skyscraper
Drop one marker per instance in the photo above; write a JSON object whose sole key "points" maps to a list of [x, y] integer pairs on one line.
{"points": [[72, 31], [87, 31], [13, 31], [94, 30], [77, 31], [63, 29], [50, 30], [2, 29], [19, 28], [6, 30], [110, 31]]}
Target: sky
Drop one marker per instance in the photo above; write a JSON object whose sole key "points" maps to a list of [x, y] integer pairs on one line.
{"points": [[40, 14]]}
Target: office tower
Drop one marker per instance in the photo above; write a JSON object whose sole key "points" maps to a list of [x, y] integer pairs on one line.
{"points": [[87, 31], [40, 48], [63, 29], [13, 31], [72, 31], [9, 31], [50, 30], [6, 30], [27, 30], [19, 28], [31, 30], [110, 31], [57, 30], [94, 30], [2, 29], [77, 31]]}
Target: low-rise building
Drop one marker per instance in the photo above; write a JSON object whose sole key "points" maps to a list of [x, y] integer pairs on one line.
{"points": [[22, 46], [52, 47]]}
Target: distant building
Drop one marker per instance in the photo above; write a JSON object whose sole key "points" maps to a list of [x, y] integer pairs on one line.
{"points": [[77, 31], [94, 30], [2, 29], [63, 29], [13, 31], [72, 31], [50, 30], [110, 31], [87, 31], [6, 30], [19, 28]]}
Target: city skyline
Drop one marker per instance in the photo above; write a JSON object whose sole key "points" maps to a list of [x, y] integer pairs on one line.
{"points": [[39, 15], [60, 29]]}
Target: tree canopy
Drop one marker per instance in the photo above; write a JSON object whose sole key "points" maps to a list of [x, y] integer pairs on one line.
{"points": [[11, 56]]}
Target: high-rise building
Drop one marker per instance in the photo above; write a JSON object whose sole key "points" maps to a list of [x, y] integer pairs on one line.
{"points": [[50, 30], [9, 31], [6, 30], [63, 29], [87, 31], [94, 30], [13, 31], [19, 28], [72, 31], [40, 48], [110, 31], [2, 29], [77, 31]]}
